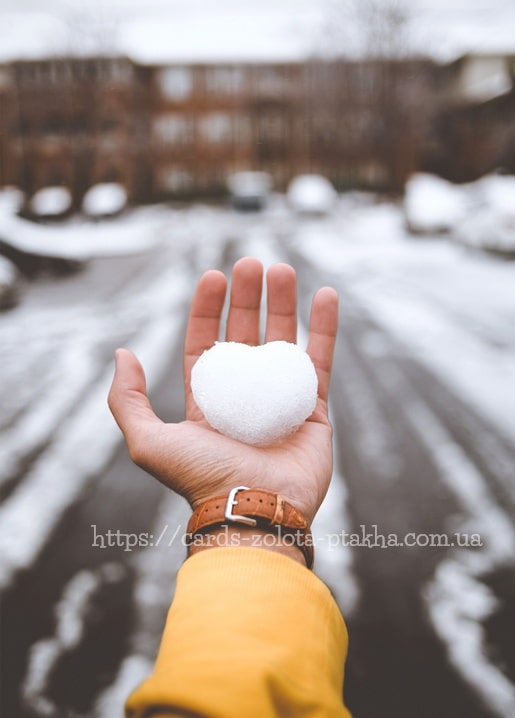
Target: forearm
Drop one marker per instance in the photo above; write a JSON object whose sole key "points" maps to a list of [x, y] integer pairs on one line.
{"points": [[249, 633]]}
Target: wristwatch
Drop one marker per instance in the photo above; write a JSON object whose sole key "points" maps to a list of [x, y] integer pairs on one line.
{"points": [[254, 507]]}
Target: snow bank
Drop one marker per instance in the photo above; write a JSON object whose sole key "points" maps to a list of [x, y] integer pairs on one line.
{"points": [[135, 232], [104, 199]]}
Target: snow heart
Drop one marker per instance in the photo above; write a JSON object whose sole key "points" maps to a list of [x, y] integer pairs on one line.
{"points": [[258, 395]]}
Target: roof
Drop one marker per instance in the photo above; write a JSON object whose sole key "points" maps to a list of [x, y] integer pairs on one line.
{"points": [[208, 31]]}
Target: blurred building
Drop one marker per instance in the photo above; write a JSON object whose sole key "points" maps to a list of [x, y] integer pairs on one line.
{"points": [[69, 122], [178, 130], [473, 130]]}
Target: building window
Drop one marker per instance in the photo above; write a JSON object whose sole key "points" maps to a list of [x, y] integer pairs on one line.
{"points": [[358, 127], [272, 127], [270, 81], [109, 123], [176, 83], [216, 128], [175, 180], [224, 80], [54, 124], [175, 129], [324, 127], [242, 130]]}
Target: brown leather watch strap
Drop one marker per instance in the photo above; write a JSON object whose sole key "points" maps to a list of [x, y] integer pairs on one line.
{"points": [[253, 507]]}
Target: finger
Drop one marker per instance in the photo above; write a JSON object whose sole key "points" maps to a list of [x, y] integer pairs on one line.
{"points": [[203, 323], [282, 304], [323, 327], [246, 287], [129, 403]]}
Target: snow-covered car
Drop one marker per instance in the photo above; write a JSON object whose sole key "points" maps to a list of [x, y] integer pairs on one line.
{"points": [[51, 203], [433, 205], [249, 190], [491, 226], [106, 199], [311, 194], [10, 284]]}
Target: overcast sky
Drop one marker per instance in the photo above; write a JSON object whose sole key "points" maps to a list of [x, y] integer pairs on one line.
{"points": [[154, 29]]}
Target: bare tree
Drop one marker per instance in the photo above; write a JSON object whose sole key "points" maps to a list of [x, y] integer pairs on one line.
{"points": [[367, 86], [369, 28], [92, 31]]}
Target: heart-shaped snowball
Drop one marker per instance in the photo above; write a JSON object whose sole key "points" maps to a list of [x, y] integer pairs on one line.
{"points": [[258, 395]]}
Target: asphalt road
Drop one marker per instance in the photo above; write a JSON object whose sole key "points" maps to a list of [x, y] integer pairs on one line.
{"points": [[397, 428]]}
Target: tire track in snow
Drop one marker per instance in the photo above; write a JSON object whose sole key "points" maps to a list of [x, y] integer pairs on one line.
{"points": [[458, 601], [58, 477]]}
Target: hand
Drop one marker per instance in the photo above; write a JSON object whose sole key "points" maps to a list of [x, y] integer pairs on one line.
{"points": [[192, 458]]}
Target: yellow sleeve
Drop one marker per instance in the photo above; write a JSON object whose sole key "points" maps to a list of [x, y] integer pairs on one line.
{"points": [[250, 633]]}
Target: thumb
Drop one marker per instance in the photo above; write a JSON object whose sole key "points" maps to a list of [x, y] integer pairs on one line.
{"points": [[128, 400]]}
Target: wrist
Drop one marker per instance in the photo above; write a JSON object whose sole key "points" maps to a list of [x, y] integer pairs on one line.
{"points": [[231, 536], [253, 517]]}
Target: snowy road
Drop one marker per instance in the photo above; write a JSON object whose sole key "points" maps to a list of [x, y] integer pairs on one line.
{"points": [[422, 401]]}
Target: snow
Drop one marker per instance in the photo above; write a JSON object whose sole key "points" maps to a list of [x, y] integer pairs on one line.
{"points": [[71, 618], [137, 232], [11, 200], [451, 309], [255, 394], [432, 204], [51, 201], [311, 194], [457, 601], [499, 191], [491, 225], [104, 199], [8, 272], [46, 488]]}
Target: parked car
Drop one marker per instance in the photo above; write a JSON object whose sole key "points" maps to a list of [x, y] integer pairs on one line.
{"points": [[106, 199], [432, 205], [11, 283], [50, 203], [249, 190], [491, 226], [311, 194]]}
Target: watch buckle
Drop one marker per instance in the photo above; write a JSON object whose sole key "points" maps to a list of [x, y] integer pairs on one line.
{"points": [[232, 501]]}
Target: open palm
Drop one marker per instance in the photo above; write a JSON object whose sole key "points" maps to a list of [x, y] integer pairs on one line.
{"points": [[192, 458]]}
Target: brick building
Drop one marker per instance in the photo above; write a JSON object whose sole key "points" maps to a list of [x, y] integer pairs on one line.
{"points": [[179, 129]]}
